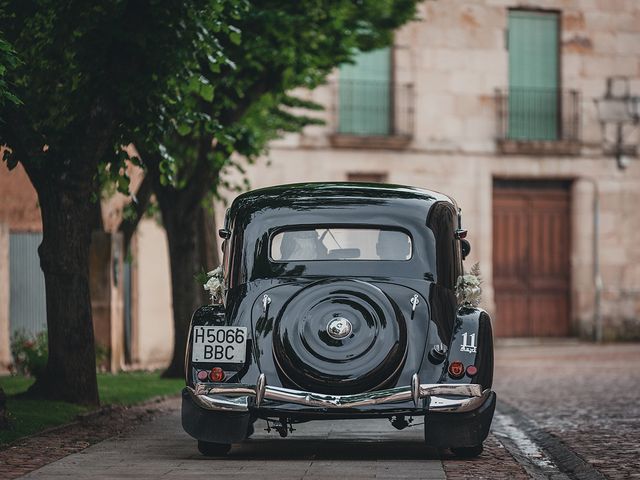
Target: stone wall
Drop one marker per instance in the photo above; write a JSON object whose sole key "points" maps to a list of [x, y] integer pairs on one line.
{"points": [[154, 335], [455, 56]]}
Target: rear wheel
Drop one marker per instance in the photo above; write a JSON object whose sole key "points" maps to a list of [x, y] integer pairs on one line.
{"points": [[467, 452], [209, 449]]}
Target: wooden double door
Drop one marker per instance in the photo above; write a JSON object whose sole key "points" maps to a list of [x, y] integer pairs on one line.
{"points": [[531, 258]]}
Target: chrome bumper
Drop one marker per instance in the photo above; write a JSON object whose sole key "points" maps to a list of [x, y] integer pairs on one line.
{"points": [[235, 397]]}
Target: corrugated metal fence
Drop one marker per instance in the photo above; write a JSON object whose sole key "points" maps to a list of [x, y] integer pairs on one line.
{"points": [[27, 307]]}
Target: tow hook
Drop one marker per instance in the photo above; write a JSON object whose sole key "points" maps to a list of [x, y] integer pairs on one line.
{"points": [[282, 426]]}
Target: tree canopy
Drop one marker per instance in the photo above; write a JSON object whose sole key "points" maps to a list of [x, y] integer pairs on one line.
{"points": [[90, 76]]}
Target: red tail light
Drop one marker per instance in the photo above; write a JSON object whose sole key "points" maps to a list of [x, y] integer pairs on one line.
{"points": [[216, 374], [456, 369], [203, 375], [472, 370]]}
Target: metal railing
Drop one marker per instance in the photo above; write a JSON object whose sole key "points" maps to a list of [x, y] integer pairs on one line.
{"points": [[538, 115], [372, 108]]}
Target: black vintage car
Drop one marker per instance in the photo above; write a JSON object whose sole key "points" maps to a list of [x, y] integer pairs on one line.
{"points": [[340, 302]]}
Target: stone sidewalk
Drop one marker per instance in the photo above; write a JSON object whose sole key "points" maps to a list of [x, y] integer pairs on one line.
{"points": [[35, 451], [346, 449]]}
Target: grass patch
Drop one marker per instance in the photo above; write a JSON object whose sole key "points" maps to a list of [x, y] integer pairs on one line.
{"points": [[13, 385], [30, 416], [135, 387]]}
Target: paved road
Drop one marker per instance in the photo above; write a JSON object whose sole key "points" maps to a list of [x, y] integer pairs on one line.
{"points": [[566, 410]]}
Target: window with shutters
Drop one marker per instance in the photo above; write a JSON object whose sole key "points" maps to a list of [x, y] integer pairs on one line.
{"points": [[365, 94], [369, 105], [533, 75], [534, 112]]}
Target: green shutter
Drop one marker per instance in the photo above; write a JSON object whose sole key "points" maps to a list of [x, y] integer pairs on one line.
{"points": [[365, 94], [533, 75]]}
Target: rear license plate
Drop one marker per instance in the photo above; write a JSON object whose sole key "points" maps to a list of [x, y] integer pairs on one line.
{"points": [[219, 344]]}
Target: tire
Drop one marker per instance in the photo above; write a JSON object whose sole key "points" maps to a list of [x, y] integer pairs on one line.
{"points": [[209, 449], [467, 452]]}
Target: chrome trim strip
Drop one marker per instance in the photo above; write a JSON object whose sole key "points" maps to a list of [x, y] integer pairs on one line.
{"points": [[460, 389], [235, 397], [218, 403], [448, 405], [261, 385], [415, 389]]}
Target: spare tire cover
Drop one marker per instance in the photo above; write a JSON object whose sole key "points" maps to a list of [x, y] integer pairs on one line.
{"points": [[340, 337]]}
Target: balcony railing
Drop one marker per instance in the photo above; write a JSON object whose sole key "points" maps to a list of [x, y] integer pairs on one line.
{"points": [[372, 114], [534, 120]]}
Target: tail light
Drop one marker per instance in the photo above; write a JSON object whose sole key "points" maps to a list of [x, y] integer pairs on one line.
{"points": [[216, 374], [456, 369]]}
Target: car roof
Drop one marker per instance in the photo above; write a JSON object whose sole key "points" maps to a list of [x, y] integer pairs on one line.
{"points": [[303, 192]]}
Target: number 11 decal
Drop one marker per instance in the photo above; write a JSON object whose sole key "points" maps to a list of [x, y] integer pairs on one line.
{"points": [[468, 343]]}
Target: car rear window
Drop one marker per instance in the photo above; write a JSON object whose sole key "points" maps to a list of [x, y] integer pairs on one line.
{"points": [[339, 243]]}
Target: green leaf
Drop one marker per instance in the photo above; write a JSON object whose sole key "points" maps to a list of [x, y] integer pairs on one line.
{"points": [[235, 35], [123, 183], [184, 129], [206, 92]]}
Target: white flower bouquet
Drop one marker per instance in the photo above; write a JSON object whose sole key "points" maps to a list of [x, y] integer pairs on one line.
{"points": [[468, 289], [215, 285]]}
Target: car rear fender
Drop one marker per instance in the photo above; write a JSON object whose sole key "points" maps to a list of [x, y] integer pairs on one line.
{"points": [[472, 344]]}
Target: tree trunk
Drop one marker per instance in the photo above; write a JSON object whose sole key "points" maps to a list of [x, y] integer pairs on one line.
{"points": [[67, 216], [181, 228], [208, 257]]}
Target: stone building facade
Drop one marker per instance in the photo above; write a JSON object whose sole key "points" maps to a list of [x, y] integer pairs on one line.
{"points": [[494, 103]]}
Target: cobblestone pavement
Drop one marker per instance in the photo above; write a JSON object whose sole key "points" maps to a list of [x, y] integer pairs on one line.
{"points": [[566, 410], [584, 395]]}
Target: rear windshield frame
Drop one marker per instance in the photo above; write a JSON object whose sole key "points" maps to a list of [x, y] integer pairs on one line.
{"points": [[341, 226]]}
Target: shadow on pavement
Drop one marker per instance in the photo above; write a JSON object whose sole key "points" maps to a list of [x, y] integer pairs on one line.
{"points": [[331, 449]]}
